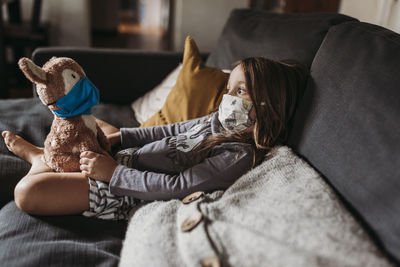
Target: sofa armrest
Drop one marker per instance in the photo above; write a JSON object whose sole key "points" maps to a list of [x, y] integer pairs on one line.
{"points": [[121, 75]]}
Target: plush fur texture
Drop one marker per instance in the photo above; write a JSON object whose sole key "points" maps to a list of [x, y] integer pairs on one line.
{"points": [[68, 137]]}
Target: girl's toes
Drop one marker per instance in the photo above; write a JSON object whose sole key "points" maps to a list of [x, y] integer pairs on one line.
{"points": [[10, 139], [20, 147], [6, 134]]}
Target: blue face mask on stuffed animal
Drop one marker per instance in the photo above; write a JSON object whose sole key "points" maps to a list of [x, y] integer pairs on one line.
{"points": [[79, 100]]}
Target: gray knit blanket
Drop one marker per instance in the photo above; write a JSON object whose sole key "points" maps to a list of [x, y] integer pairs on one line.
{"points": [[281, 213]]}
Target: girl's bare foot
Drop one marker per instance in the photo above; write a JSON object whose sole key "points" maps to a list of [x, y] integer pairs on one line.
{"points": [[20, 147]]}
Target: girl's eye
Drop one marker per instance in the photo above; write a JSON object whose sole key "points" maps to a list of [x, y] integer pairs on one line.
{"points": [[241, 91], [73, 76]]}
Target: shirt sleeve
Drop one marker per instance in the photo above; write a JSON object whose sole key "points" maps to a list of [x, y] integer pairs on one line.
{"points": [[214, 173], [134, 137]]}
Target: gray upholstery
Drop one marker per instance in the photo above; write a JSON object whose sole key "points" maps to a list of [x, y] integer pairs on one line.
{"points": [[29, 119], [250, 33], [121, 75], [348, 123], [58, 240]]}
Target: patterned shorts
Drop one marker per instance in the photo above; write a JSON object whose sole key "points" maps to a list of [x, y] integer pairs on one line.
{"points": [[107, 206]]}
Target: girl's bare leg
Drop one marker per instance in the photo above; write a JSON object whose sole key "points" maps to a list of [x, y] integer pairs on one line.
{"points": [[42, 191]]}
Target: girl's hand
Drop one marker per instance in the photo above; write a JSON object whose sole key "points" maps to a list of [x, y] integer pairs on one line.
{"points": [[114, 139], [97, 166]]}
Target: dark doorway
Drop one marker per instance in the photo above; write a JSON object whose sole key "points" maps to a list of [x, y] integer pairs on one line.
{"points": [[138, 24]]}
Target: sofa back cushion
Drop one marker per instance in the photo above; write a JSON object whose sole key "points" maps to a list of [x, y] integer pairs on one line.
{"points": [[250, 32], [347, 125]]}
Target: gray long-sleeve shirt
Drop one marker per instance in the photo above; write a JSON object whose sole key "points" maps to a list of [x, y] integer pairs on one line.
{"points": [[165, 167]]}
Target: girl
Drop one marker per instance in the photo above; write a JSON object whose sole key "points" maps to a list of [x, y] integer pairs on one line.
{"points": [[203, 154]]}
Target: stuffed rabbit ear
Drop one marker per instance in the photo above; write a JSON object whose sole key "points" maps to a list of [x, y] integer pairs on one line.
{"points": [[32, 71]]}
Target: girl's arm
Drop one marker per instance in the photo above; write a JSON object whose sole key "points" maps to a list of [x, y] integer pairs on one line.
{"points": [[217, 172], [114, 139], [136, 137], [106, 127], [111, 133]]}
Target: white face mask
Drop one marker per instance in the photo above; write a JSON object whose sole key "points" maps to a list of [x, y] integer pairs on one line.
{"points": [[233, 113]]}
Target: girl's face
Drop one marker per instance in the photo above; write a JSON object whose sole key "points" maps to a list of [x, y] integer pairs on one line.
{"points": [[237, 87]]}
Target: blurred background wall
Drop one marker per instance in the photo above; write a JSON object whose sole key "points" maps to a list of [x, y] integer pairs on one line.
{"points": [[385, 13], [68, 20], [203, 20], [72, 22], [143, 24]]}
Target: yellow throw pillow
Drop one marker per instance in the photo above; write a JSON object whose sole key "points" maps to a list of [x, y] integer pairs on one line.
{"points": [[197, 92]]}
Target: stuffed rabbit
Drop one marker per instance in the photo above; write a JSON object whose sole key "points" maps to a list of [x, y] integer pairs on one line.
{"points": [[63, 86]]}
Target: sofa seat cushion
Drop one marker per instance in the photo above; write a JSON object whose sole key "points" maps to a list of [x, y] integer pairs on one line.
{"points": [[348, 126], [58, 240], [249, 33]]}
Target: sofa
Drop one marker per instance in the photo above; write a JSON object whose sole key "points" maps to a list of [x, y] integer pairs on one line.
{"points": [[329, 197]]}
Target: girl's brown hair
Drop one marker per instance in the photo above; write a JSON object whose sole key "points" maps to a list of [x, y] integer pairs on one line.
{"points": [[275, 88]]}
